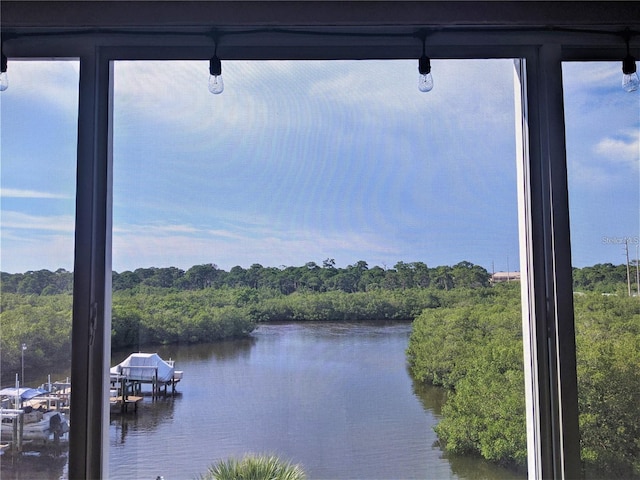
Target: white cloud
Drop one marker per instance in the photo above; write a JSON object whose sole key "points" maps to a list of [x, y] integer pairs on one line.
{"points": [[154, 229], [175, 95], [385, 86], [53, 82], [23, 221], [587, 75], [622, 149], [592, 176], [155, 245], [24, 253], [18, 193]]}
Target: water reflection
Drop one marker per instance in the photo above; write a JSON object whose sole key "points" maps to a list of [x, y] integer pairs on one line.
{"points": [[432, 398], [464, 467], [474, 468], [187, 353], [45, 465], [150, 415]]}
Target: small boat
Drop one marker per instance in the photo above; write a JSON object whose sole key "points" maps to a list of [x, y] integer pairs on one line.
{"points": [[143, 368], [38, 424], [147, 367]]}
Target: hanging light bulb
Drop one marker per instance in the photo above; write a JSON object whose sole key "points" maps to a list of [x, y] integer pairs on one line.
{"points": [[216, 86], [4, 79], [630, 80], [425, 80]]}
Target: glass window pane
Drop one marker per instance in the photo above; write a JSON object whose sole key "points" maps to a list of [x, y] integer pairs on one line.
{"points": [[39, 113], [320, 206], [603, 155]]}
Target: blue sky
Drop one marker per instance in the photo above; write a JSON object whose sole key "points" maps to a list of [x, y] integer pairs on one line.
{"points": [[303, 161]]}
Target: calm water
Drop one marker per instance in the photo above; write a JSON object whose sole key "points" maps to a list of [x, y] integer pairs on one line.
{"points": [[335, 398]]}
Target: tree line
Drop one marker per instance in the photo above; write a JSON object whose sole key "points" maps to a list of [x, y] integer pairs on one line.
{"points": [[358, 277], [311, 276]]}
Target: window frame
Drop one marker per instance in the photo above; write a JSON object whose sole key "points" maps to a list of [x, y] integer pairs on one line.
{"points": [[545, 254]]}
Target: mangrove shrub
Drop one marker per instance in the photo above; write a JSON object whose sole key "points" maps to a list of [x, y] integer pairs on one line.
{"points": [[476, 353]]}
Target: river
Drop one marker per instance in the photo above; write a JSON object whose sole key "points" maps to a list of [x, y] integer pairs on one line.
{"points": [[335, 398]]}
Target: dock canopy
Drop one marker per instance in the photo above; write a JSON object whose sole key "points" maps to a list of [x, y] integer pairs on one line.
{"points": [[144, 367], [23, 392]]}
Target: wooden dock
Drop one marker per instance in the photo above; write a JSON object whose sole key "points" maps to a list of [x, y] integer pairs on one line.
{"points": [[128, 377], [122, 403], [158, 387], [16, 440]]}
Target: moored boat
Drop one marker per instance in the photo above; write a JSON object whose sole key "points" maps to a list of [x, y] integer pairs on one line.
{"points": [[143, 368], [147, 367], [38, 425]]}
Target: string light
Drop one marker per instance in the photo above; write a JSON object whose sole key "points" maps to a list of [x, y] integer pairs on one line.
{"points": [[216, 85], [425, 80], [630, 80], [4, 79]]}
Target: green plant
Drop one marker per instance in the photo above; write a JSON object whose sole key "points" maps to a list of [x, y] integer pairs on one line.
{"points": [[254, 467]]}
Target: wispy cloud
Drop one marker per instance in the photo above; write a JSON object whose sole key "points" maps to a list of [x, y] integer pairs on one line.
{"points": [[19, 193], [23, 221], [184, 246], [584, 76], [54, 82], [35, 252], [622, 149], [603, 140]]}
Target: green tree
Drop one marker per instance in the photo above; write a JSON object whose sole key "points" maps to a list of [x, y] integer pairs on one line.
{"points": [[466, 274], [442, 277]]}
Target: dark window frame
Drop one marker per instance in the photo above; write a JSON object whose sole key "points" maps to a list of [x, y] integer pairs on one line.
{"points": [[542, 189]]}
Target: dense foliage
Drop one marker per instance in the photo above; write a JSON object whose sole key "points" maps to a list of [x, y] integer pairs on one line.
{"points": [[603, 278], [608, 363], [43, 323], [476, 353], [310, 277], [40, 282]]}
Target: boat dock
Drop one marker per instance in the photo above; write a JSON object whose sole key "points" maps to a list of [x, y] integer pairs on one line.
{"points": [[122, 394], [58, 397], [26, 427], [14, 442], [122, 403], [128, 378]]}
